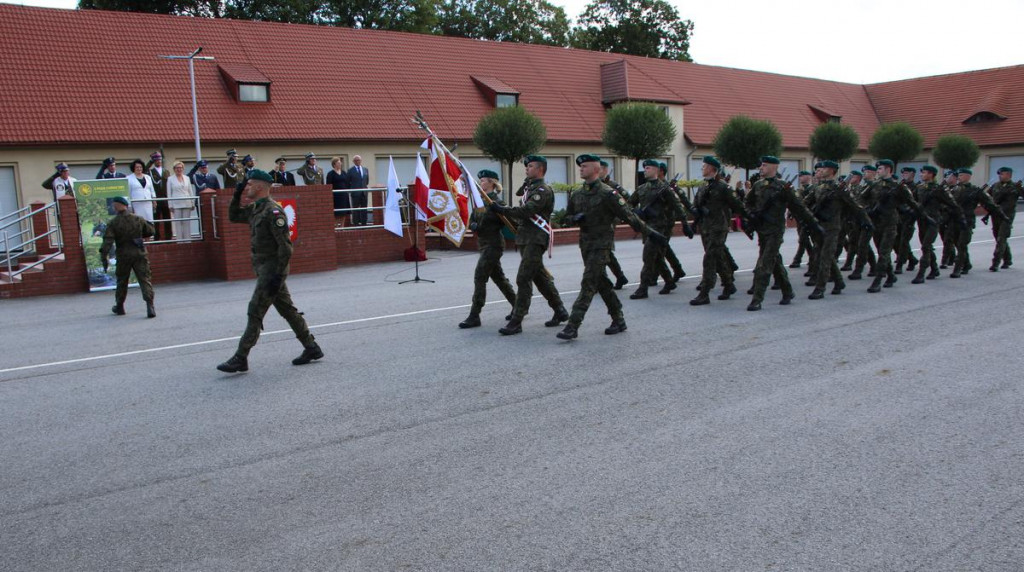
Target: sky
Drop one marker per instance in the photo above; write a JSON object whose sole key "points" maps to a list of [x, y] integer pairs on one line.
{"points": [[857, 41]]}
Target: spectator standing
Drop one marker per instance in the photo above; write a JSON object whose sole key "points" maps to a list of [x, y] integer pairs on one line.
{"points": [[231, 170], [155, 170], [338, 180], [182, 203], [109, 170], [140, 187], [201, 177], [358, 178], [63, 183], [281, 175]]}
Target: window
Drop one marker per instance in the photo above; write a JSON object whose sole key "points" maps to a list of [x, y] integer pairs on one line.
{"points": [[1015, 162], [558, 172], [253, 92], [476, 164], [983, 117], [9, 193], [506, 100], [834, 119]]}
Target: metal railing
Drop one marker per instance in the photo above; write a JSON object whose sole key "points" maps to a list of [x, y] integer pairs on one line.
{"points": [[16, 246], [378, 220], [198, 218]]}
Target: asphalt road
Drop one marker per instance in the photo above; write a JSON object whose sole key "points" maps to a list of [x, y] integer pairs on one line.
{"points": [[860, 432]]}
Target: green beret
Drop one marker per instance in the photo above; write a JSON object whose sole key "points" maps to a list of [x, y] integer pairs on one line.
{"points": [[651, 163], [856, 173], [709, 160], [908, 170], [587, 158], [121, 200], [868, 167], [949, 173], [663, 166], [829, 164], [1004, 170], [261, 175], [887, 163], [535, 159], [817, 165], [604, 163], [486, 174], [770, 159], [964, 171], [931, 169], [806, 173]]}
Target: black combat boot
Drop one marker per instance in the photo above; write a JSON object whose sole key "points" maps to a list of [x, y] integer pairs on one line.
{"points": [[955, 273], [889, 281], [569, 332], [994, 267], [118, 309], [775, 286], [150, 310], [933, 275], [876, 285], [640, 293], [787, 299], [667, 288], [817, 294], [912, 264], [794, 264], [679, 275], [811, 282], [473, 321], [620, 282], [899, 268], [856, 274], [618, 326], [838, 288], [702, 299], [236, 364], [309, 354], [560, 316], [513, 327], [750, 291], [727, 291], [754, 307]]}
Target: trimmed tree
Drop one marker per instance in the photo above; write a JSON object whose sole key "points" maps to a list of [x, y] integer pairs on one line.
{"points": [[638, 131], [956, 151], [742, 141], [897, 142], [834, 142], [508, 134]]}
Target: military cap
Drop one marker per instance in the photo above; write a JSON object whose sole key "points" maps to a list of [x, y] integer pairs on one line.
{"points": [[886, 162], [817, 165], [247, 158], [651, 163], [949, 173], [202, 163], [964, 171], [869, 167], [1004, 170], [908, 170], [121, 200], [155, 155], [109, 161], [829, 164], [710, 160], [770, 159], [931, 169], [856, 173], [261, 175], [588, 158], [232, 153], [663, 166], [806, 173], [604, 163], [279, 159], [486, 174], [62, 167], [536, 159], [310, 155]]}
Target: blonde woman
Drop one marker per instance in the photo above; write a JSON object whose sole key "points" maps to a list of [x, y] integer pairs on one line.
{"points": [[182, 195]]}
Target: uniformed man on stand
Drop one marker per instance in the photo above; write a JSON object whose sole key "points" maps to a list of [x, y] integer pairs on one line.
{"points": [[655, 203], [613, 263], [126, 231], [487, 227], [201, 177], [162, 211], [804, 240], [310, 173], [714, 206], [595, 208], [231, 171], [533, 238], [1005, 193], [281, 175], [934, 199], [63, 184], [271, 254], [109, 170]]}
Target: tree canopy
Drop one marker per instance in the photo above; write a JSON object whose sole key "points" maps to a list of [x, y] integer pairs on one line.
{"points": [[508, 134], [897, 142], [742, 141], [834, 141], [956, 151], [649, 28]]}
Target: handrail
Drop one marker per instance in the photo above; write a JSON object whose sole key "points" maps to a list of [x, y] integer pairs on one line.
{"points": [[28, 267], [28, 216], [14, 213], [19, 217]]}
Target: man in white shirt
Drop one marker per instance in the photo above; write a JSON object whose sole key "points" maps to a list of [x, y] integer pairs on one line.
{"points": [[64, 183]]}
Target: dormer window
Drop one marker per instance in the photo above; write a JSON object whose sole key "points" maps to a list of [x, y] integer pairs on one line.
{"points": [[254, 92], [506, 100], [247, 84], [498, 92], [983, 117]]}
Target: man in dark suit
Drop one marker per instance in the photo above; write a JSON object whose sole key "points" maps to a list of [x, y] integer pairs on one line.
{"points": [[280, 175], [156, 171], [358, 178], [201, 177], [109, 170]]}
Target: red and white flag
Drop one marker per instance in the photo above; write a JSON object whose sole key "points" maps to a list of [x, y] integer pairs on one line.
{"points": [[421, 191]]}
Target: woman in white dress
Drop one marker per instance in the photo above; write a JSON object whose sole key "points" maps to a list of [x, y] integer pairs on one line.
{"points": [[142, 191], [181, 195]]}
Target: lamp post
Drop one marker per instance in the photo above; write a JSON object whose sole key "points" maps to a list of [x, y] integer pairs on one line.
{"points": [[192, 78]]}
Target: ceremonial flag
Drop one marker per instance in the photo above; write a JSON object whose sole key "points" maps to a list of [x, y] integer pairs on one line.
{"points": [[447, 203], [421, 191], [392, 212]]}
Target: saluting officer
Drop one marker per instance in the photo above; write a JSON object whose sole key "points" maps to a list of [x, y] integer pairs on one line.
{"points": [[231, 171], [310, 173], [281, 175], [201, 177]]}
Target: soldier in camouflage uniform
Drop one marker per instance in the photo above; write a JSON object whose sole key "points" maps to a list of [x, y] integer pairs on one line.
{"points": [[968, 196], [595, 207], [534, 211], [713, 208], [852, 227], [948, 229], [833, 204], [1005, 194], [613, 263], [126, 231], [882, 199], [934, 199], [655, 203], [905, 230], [766, 201], [803, 189], [487, 226], [671, 262], [271, 253], [865, 253]]}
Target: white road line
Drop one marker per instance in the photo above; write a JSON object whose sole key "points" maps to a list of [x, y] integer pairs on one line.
{"points": [[288, 331]]}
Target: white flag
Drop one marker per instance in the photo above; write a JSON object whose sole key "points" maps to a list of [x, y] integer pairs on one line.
{"points": [[392, 212]]}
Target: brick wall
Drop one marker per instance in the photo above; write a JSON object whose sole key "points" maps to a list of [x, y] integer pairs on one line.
{"points": [[59, 276]]}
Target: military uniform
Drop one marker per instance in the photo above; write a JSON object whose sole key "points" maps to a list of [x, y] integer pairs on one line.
{"points": [[162, 208], [865, 253], [969, 196], [613, 263], [232, 172], [832, 206], [714, 205], [882, 199], [311, 175], [1005, 195], [491, 245], [660, 208], [905, 232], [803, 237], [126, 231], [852, 231], [935, 202]]}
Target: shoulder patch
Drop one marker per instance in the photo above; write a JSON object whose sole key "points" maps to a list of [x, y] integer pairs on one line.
{"points": [[622, 201], [279, 221], [535, 197]]}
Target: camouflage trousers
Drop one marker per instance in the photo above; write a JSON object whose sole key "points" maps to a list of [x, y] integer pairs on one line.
{"points": [[717, 261], [614, 266], [259, 304], [1001, 232], [655, 264], [803, 245], [532, 271], [827, 268], [673, 262], [885, 240], [905, 232], [865, 254], [488, 267], [126, 264], [927, 233], [595, 281], [963, 253], [769, 263]]}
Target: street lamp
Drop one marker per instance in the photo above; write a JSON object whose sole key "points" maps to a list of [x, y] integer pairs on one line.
{"points": [[192, 78]]}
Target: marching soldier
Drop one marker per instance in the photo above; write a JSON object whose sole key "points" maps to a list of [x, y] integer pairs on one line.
{"points": [[1005, 194], [865, 253], [852, 228], [310, 173], [271, 253], [491, 243], [832, 204], [656, 204], [595, 208], [766, 201], [803, 189], [533, 237], [882, 200], [671, 260], [231, 171], [968, 196], [613, 263], [905, 231], [126, 231], [948, 229], [713, 208], [934, 199]]}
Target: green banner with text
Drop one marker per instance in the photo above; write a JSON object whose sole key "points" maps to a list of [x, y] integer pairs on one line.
{"points": [[94, 198]]}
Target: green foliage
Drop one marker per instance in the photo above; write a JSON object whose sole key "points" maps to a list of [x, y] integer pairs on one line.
{"points": [[204, 8], [418, 16], [525, 21], [897, 142], [638, 131], [834, 141], [508, 134], [650, 28], [742, 141], [286, 11], [956, 151]]}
